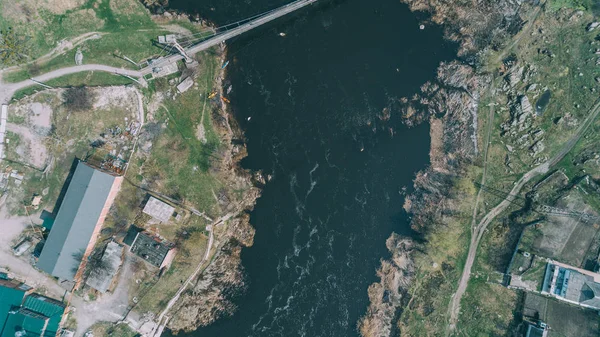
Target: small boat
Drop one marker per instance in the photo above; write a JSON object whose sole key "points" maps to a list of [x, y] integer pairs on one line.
{"points": [[212, 94], [224, 65], [224, 99], [282, 34]]}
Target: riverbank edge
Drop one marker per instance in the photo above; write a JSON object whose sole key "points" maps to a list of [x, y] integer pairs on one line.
{"points": [[453, 95], [223, 278]]}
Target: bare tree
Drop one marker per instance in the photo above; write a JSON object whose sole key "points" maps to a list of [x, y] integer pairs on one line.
{"points": [[78, 98], [13, 48]]}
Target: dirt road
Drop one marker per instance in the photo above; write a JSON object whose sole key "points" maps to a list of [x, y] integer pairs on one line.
{"points": [[109, 307], [162, 319], [482, 226], [7, 90]]}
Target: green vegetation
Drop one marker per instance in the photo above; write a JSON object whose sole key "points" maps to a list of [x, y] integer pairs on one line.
{"points": [[180, 160], [486, 309], [557, 54], [556, 5], [13, 47], [439, 267], [104, 30], [113, 330], [536, 272]]}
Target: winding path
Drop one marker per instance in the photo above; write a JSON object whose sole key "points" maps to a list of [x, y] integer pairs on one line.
{"points": [[483, 224], [7, 90]]}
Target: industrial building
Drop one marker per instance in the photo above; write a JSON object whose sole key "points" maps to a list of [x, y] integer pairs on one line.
{"points": [[101, 278], [153, 250], [23, 313], [88, 198], [572, 284]]}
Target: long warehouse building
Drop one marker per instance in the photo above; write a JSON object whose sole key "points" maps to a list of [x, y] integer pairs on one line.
{"points": [[89, 196]]}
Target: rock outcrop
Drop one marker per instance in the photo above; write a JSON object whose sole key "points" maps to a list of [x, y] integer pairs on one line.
{"points": [[388, 294], [474, 24]]}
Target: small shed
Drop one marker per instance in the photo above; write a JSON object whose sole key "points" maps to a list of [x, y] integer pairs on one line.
{"points": [[185, 85], [153, 250], [159, 210], [101, 278]]}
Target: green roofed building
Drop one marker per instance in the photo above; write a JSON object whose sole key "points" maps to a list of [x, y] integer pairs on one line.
{"points": [[12, 294], [48, 307], [89, 196], [25, 323], [27, 315]]}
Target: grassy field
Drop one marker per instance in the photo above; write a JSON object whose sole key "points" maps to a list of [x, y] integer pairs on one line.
{"points": [[124, 28], [486, 309], [112, 329], [438, 267]]}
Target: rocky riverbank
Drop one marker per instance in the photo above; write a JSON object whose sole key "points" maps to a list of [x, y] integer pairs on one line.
{"points": [[210, 295], [450, 105]]}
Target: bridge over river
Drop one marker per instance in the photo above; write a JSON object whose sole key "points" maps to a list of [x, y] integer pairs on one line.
{"points": [[7, 90], [224, 36]]}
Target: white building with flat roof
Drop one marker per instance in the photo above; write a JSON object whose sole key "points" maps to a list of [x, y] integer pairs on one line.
{"points": [[159, 210]]}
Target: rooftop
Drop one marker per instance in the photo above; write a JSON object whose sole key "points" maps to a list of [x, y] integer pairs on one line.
{"points": [[48, 307], [77, 218], [12, 294], [572, 285], [534, 331], [150, 248], [158, 209], [23, 322], [31, 315], [101, 278]]}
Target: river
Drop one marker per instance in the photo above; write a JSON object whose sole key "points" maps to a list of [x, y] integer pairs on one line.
{"points": [[315, 98]]}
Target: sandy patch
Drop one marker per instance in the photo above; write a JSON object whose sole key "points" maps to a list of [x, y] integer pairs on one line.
{"points": [[436, 152], [177, 29], [115, 97], [10, 227], [201, 133], [40, 115], [36, 154], [61, 6]]}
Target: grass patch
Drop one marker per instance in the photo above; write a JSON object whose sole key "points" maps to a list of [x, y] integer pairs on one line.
{"points": [[180, 162], [555, 5], [113, 330], [486, 310]]}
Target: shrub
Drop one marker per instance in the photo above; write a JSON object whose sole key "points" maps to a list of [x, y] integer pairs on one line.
{"points": [[78, 98]]}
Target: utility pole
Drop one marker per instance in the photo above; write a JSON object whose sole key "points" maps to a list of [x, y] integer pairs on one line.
{"points": [[42, 84]]}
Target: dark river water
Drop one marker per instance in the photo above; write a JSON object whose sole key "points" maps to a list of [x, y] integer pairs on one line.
{"points": [[315, 98]]}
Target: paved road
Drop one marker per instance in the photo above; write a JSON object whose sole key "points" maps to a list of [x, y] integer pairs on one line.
{"points": [[281, 11]]}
